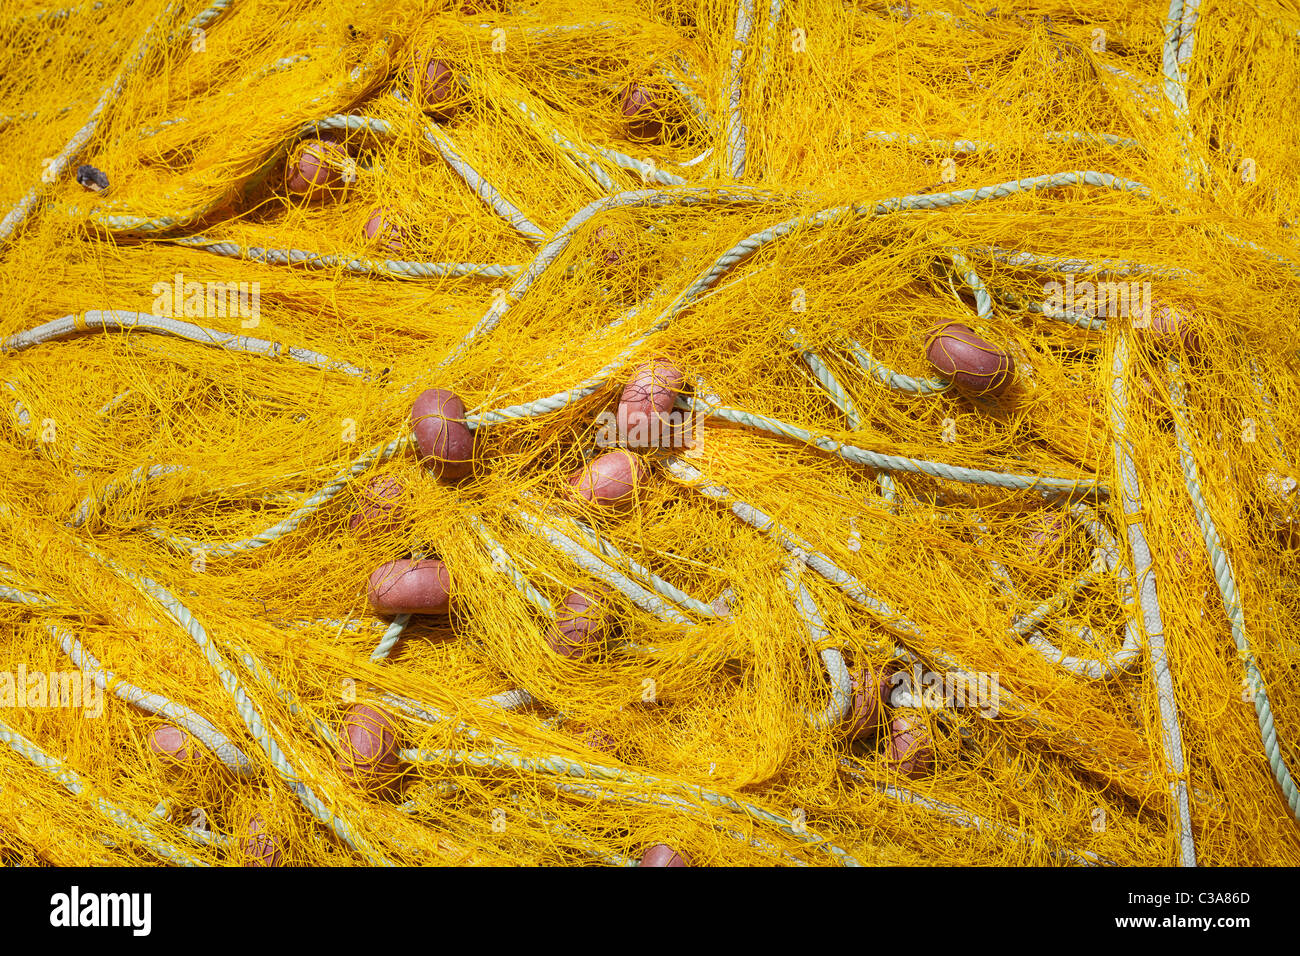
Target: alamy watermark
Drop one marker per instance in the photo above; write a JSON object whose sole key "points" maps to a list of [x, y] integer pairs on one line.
{"points": [[675, 429], [51, 690], [932, 690], [1099, 300], [209, 300], [128, 910]]}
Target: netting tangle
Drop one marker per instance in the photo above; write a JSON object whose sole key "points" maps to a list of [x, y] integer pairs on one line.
{"points": [[649, 433]]}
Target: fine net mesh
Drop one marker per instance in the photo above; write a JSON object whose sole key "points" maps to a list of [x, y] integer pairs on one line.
{"points": [[859, 610]]}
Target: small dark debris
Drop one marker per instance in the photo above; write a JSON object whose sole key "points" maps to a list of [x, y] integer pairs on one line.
{"points": [[352, 32], [92, 178]]}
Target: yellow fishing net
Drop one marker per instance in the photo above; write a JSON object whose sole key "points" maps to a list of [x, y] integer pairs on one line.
{"points": [[863, 607]]}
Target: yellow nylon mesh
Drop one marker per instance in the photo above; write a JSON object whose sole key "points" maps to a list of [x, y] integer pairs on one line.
{"points": [[1070, 770]]}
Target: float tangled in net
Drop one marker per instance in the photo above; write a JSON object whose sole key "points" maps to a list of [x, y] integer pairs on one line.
{"points": [[649, 433]]}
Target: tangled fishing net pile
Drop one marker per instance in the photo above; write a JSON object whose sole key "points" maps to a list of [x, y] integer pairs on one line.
{"points": [[969, 535]]}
